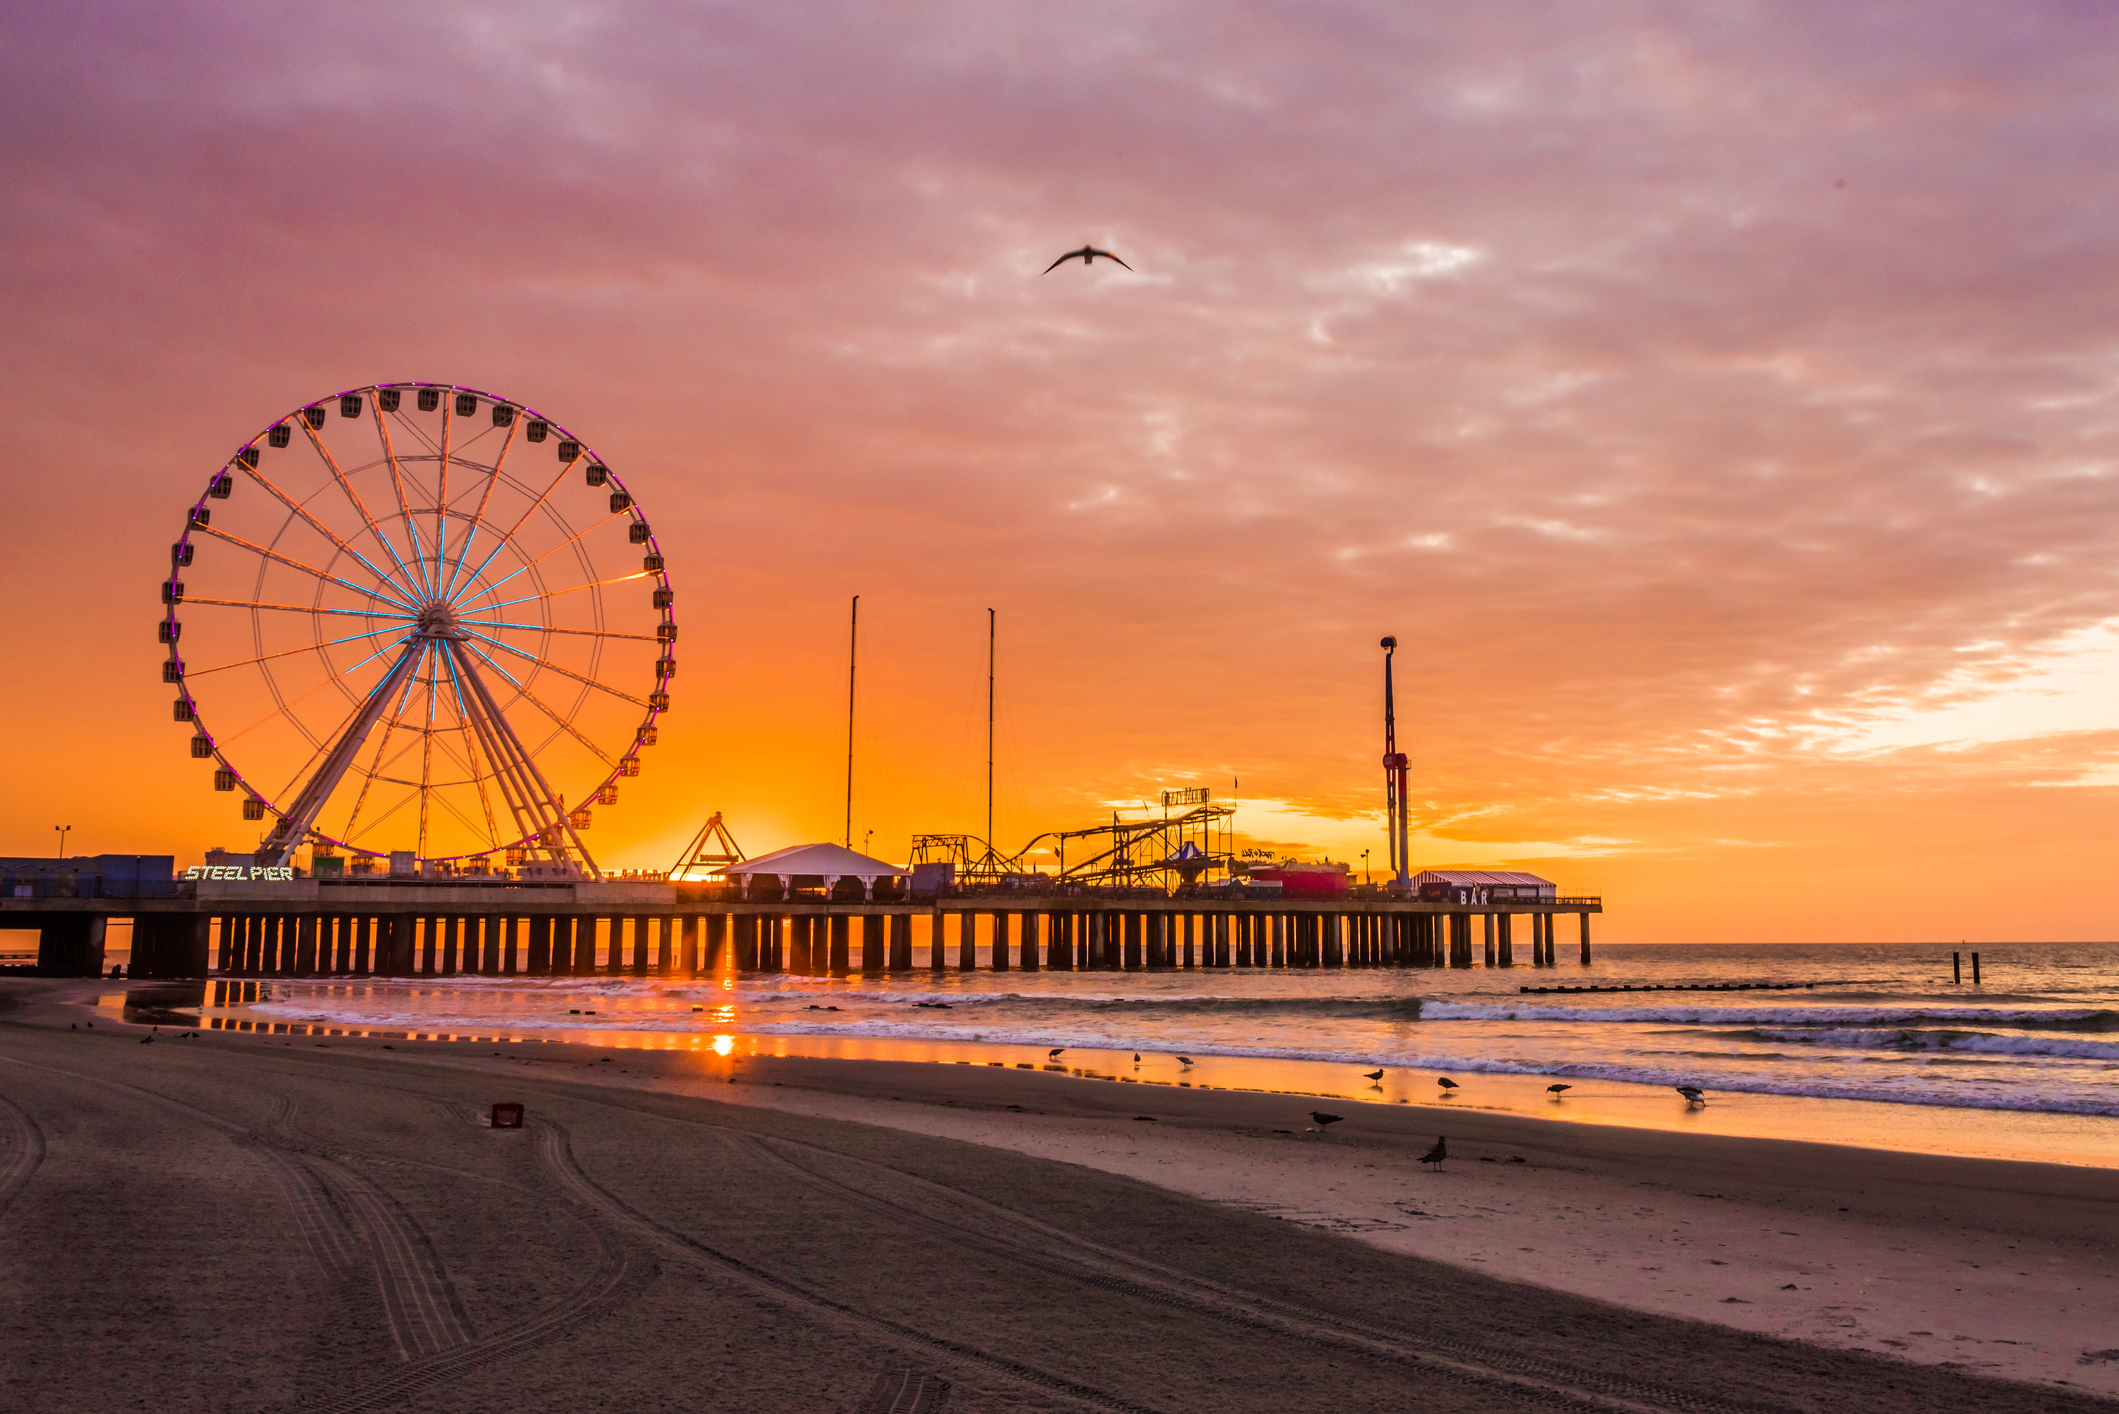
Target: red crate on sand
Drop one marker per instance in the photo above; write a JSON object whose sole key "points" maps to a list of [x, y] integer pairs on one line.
{"points": [[507, 1115]]}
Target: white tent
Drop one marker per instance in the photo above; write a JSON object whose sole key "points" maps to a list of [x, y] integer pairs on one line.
{"points": [[824, 864]]}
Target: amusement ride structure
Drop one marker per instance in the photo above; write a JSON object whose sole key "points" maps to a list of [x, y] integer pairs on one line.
{"points": [[400, 618]]}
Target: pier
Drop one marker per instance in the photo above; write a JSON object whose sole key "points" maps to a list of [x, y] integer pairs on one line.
{"points": [[329, 928]]}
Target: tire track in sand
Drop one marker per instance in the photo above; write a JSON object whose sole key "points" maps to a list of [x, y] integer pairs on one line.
{"points": [[21, 1150], [420, 1301], [1016, 1237], [554, 1149]]}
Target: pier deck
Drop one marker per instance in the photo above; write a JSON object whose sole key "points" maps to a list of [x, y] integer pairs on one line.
{"points": [[324, 928]]}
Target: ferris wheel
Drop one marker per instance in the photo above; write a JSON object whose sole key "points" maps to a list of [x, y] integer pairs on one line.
{"points": [[396, 622]]}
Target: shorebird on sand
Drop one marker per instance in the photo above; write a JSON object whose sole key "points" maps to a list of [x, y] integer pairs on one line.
{"points": [[1558, 1089], [1324, 1120], [1373, 1074], [1437, 1154], [1184, 1060], [1054, 1053], [1446, 1083], [1692, 1093], [1087, 255]]}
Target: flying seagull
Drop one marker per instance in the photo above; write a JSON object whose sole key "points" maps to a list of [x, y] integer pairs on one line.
{"points": [[1446, 1083], [1086, 255], [1373, 1074], [1324, 1119], [1437, 1154], [1692, 1093], [1557, 1089]]}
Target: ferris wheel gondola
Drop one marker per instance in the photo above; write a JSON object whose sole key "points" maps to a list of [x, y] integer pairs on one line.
{"points": [[407, 628]]}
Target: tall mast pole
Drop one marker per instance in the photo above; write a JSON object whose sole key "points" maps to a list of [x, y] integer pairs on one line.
{"points": [[990, 852], [853, 644], [1394, 773]]}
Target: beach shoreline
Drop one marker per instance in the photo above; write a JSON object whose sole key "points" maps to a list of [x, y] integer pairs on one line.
{"points": [[1949, 1264]]}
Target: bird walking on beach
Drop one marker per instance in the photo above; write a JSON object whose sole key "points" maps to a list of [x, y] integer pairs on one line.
{"points": [[1087, 255], [1557, 1090], [1323, 1119], [1446, 1083], [1184, 1060], [1373, 1074], [1054, 1053], [1136, 1057], [1437, 1154], [1692, 1093]]}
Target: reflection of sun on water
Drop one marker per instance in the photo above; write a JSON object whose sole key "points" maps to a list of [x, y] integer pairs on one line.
{"points": [[724, 1044]]}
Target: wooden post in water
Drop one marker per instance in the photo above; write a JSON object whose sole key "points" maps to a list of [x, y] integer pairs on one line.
{"points": [[1975, 969], [967, 943], [999, 950], [841, 961], [1584, 917], [1491, 959]]}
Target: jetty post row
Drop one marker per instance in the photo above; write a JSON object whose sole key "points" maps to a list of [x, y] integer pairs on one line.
{"points": [[330, 928]]}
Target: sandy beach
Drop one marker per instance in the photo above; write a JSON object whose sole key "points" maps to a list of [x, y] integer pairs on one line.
{"points": [[245, 1222]]}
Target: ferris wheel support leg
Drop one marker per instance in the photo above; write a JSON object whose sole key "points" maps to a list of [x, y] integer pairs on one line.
{"points": [[294, 823]]}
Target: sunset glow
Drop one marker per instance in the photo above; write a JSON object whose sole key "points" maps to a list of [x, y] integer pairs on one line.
{"points": [[1719, 409]]}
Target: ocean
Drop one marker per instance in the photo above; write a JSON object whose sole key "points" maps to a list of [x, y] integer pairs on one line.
{"points": [[1866, 1023]]}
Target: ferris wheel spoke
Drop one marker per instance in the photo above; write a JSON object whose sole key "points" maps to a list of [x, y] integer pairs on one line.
{"points": [[571, 589], [287, 709], [301, 512], [478, 517], [240, 543], [283, 653], [550, 666], [302, 608], [416, 571], [524, 519], [528, 565], [573, 632], [535, 701], [368, 522], [441, 495], [426, 760]]}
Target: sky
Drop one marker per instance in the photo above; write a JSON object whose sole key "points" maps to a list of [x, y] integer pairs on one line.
{"points": [[1717, 402]]}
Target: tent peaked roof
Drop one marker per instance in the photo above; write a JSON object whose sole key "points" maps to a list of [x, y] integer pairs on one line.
{"points": [[831, 861], [1479, 876]]}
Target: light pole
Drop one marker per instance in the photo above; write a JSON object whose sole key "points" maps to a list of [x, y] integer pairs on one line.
{"points": [[64, 831], [1365, 867]]}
